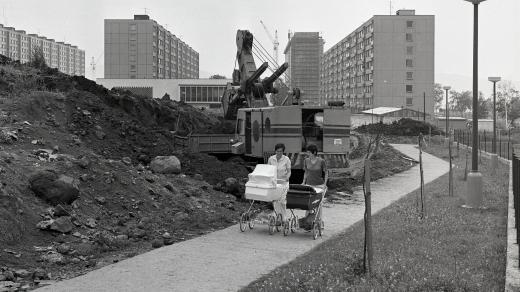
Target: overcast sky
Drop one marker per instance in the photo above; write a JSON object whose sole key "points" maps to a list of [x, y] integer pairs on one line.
{"points": [[209, 26]]}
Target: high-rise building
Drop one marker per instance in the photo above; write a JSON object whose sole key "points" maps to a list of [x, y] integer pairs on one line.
{"points": [[19, 46], [386, 62], [140, 48], [303, 53]]}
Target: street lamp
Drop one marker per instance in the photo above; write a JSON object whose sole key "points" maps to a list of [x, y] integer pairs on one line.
{"points": [[447, 113], [474, 181], [494, 157]]}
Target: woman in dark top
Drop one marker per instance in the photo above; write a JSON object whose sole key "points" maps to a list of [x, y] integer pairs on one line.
{"points": [[315, 168]]}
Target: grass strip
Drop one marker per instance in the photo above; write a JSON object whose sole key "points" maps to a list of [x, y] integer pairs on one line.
{"points": [[451, 249]]}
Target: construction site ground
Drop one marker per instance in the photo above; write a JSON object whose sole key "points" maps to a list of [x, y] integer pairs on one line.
{"points": [[228, 260], [103, 141]]}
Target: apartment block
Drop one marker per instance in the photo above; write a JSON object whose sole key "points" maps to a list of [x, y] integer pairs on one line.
{"points": [[388, 61], [19, 46], [140, 48], [303, 53]]}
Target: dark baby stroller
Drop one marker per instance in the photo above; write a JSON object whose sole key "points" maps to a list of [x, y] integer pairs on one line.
{"points": [[308, 198]]}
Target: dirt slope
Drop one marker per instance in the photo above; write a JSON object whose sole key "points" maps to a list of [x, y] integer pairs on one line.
{"points": [[104, 140]]}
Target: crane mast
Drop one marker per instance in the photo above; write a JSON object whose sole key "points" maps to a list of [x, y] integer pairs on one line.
{"points": [[273, 40]]}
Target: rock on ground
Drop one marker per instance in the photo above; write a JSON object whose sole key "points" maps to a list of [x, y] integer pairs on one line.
{"points": [[54, 188], [165, 164]]}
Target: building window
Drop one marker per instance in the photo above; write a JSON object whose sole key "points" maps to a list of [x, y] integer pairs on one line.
{"points": [[409, 89], [409, 101], [409, 23], [409, 75], [409, 37], [409, 50], [409, 63]]}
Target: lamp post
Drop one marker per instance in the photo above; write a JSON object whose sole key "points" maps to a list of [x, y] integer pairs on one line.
{"points": [[447, 115], [494, 157], [474, 181]]}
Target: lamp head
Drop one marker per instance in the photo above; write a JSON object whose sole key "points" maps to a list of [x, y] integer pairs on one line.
{"points": [[494, 79], [475, 1], [446, 87]]}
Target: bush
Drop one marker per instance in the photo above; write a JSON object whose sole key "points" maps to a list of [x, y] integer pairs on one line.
{"points": [[403, 127]]}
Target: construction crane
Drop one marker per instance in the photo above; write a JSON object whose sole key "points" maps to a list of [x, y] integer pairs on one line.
{"points": [[273, 40], [93, 64]]}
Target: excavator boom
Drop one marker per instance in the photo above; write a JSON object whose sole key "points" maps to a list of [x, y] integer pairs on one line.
{"points": [[247, 90]]}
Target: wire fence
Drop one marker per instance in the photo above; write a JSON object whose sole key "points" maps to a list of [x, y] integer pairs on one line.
{"points": [[504, 144]]}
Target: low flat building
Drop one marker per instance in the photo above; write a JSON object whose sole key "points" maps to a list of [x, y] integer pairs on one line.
{"points": [[456, 123], [200, 93]]}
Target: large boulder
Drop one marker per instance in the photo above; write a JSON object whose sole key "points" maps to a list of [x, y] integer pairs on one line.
{"points": [[165, 164], [53, 187]]}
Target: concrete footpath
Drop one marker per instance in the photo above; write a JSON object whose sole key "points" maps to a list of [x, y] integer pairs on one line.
{"points": [[228, 260]]}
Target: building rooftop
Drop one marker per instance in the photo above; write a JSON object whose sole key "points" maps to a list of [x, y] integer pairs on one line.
{"points": [[379, 111]]}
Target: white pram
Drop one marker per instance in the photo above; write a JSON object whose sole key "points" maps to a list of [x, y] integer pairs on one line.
{"points": [[262, 185]]}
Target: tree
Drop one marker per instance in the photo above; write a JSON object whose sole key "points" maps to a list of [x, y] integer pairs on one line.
{"points": [[37, 59], [506, 93], [216, 76], [438, 96], [484, 106], [460, 101], [514, 109]]}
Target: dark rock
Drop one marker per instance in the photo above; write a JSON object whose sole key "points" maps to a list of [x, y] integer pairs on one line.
{"points": [[91, 223], [59, 211], [156, 243], [53, 257], [40, 274], [63, 248], [84, 162], [144, 158], [101, 200], [9, 275], [22, 273], [127, 160], [62, 224], [100, 134], [165, 164], [171, 188], [54, 188]]}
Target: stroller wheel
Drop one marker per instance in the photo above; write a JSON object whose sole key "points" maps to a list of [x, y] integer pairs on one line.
{"points": [[251, 223], [279, 222], [243, 219], [286, 227], [272, 223], [315, 230], [293, 223]]}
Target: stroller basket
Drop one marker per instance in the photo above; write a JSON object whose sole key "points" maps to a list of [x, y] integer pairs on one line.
{"points": [[302, 197]]}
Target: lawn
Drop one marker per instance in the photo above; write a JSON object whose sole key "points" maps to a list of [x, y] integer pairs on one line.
{"points": [[451, 249]]}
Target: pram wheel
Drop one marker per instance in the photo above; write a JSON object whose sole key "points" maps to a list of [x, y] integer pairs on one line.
{"points": [[286, 227], [272, 223], [294, 222], [315, 230], [279, 222], [251, 223], [243, 219]]}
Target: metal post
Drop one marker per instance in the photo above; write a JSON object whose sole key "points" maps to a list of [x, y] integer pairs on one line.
{"points": [[447, 114], [494, 158], [424, 106], [474, 184], [474, 152]]}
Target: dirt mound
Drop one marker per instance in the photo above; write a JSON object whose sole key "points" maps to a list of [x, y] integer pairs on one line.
{"points": [[105, 140]]}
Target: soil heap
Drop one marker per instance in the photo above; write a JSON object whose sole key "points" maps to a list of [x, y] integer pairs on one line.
{"points": [[76, 188]]}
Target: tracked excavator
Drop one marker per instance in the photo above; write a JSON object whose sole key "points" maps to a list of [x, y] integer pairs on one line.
{"points": [[261, 125]]}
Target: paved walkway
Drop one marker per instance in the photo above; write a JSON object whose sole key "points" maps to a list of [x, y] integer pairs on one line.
{"points": [[228, 259]]}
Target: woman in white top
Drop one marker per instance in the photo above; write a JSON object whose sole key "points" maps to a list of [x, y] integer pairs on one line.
{"points": [[283, 167]]}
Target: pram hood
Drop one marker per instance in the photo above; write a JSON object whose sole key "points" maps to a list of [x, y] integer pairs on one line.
{"points": [[263, 176]]}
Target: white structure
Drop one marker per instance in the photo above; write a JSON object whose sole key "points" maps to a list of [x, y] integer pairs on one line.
{"points": [[202, 93]]}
